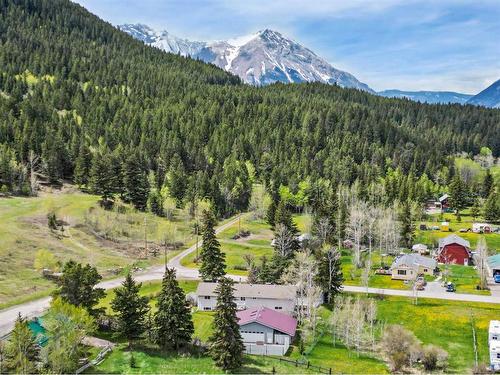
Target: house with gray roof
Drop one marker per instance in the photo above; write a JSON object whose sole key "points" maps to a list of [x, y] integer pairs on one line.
{"points": [[277, 297], [409, 266]]}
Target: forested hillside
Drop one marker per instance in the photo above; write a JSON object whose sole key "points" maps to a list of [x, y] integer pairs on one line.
{"points": [[106, 111]]}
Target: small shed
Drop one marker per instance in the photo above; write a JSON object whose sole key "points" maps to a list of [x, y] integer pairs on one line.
{"points": [[444, 201], [420, 248], [445, 226]]}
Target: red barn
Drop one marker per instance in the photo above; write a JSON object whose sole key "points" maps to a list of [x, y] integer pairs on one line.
{"points": [[454, 249]]}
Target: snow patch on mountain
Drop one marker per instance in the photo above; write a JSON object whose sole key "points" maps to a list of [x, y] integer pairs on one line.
{"points": [[261, 58]]}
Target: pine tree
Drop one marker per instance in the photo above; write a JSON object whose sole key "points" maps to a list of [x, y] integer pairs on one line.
{"points": [[131, 309], [212, 258], [330, 277], [458, 194], [173, 325], [21, 351], [135, 182], [100, 177], [77, 286], [487, 184], [284, 216], [226, 345], [83, 165], [407, 224], [492, 207]]}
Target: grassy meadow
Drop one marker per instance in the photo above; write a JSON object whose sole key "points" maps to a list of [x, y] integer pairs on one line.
{"points": [[113, 241]]}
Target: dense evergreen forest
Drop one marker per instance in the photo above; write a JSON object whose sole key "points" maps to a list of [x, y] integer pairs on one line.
{"points": [[82, 101]]}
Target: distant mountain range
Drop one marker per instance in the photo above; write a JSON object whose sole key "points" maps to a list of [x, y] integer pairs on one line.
{"points": [[489, 97], [258, 59], [432, 97], [267, 57]]}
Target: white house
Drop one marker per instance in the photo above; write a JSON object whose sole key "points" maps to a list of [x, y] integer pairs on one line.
{"points": [[266, 331], [276, 297], [409, 266]]}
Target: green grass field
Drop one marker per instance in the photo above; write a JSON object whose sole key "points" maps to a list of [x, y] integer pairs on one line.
{"points": [[257, 244], [443, 323], [107, 239], [154, 361], [431, 237]]}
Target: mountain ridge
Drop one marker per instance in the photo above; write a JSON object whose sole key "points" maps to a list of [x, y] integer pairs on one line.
{"points": [[260, 58], [489, 97], [431, 97]]}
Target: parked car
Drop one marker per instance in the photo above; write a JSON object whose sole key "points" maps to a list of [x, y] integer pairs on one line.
{"points": [[450, 287], [497, 278]]}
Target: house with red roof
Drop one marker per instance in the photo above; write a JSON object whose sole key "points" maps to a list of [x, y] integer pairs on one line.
{"points": [[454, 250], [266, 331]]}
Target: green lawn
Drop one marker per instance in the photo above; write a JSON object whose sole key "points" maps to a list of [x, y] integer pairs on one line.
{"points": [[154, 361], [24, 231], [431, 237], [465, 279], [149, 289], [257, 244], [443, 323]]}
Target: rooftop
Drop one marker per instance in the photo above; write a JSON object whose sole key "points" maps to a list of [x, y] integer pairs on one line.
{"points": [[453, 238], [252, 290], [269, 318], [414, 260]]}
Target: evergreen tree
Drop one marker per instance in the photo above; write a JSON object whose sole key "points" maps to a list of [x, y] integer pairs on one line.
{"points": [[135, 182], [492, 207], [173, 325], [284, 216], [407, 224], [77, 286], [488, 183], [21, 351], [212, 258], [100, 178], [458, 194], [226, 345], [271, 213], [330, 277], [82, 166], [176, 180], [131, 309]]}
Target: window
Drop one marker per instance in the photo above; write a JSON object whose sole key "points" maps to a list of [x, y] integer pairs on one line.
{"points": [[242, 298], [498, 355], [425, 270], [278, 307], [207, 297], [206, 308], [401, 272]]}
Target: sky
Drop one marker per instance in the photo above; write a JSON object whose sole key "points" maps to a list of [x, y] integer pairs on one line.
{"points": [[449, 45]]}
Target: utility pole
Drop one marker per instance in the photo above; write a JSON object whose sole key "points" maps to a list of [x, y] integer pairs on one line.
{"points": [[145, 237]]}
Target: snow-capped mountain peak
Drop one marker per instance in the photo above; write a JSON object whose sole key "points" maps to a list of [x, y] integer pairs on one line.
{"points": [[259, 59]]}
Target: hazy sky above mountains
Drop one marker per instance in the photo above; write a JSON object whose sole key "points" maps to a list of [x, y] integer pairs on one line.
{"points": [[449, 45]]}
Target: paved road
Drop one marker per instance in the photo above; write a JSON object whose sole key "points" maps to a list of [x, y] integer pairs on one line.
{"points": [[424, 294], [37, 307], [34, 308]]}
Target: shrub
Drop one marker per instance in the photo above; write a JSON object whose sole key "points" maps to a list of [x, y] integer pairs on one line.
{"points": [[434, 358], [399, 345]]}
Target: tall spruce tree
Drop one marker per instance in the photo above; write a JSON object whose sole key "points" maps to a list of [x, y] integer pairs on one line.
{"points": [[330, 277], [488, 183], [21, 351], [492, 207], [226, 344], [458, 194], [83, 165], [131, 309], [100, 178], [212, 258], [173, 325], [407, 223], [135, 182]]}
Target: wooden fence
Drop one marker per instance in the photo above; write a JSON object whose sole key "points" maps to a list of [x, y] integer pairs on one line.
{"points": [[308, 365]]}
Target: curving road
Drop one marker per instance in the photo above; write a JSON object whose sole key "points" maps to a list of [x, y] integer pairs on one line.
{"points": [[37, 307]]}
